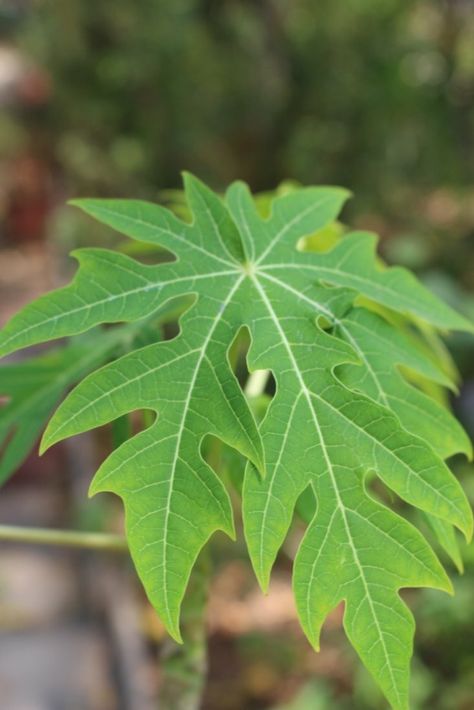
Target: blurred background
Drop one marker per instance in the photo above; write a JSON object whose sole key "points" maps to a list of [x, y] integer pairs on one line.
{"points": [[115, 99]]}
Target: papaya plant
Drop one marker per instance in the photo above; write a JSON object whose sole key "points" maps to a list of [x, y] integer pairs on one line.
{"points": [[355, 434]]}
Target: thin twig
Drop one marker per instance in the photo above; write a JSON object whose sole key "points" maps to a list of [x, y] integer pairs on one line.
{"points": [[64, 538]]}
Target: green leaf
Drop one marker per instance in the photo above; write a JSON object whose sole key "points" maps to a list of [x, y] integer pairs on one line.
{"points": [[383, 349], [446, 537], [33, 387], [352, 263], [333, 420]]}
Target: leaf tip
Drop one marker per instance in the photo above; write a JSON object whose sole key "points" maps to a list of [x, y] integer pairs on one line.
{"points": [[231, 532], [175, 633], [50, 436], [96, 486], [467, 527], [448, 587], [468, 532], [46, 443], [263, 577], [345, 193], [79, 202], [92, 490], [314, 639], [189, 180], [459, 564]]}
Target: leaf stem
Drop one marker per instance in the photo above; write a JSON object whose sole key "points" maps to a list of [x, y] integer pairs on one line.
{"points": [[64, 538], [184, 666], [256, 383]]}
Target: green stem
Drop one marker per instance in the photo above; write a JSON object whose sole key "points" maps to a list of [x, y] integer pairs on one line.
{"points": [[64, 538], [184, 667]]}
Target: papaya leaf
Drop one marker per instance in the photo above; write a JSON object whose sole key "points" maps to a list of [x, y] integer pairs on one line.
{"points": [[33, 388], [326, 426]]}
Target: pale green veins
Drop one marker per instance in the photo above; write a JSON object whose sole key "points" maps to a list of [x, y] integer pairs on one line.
{"points": [[335, 329]]}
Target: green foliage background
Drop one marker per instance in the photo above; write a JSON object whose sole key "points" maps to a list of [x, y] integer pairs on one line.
{"points": [[368, 94], [375, 96]]}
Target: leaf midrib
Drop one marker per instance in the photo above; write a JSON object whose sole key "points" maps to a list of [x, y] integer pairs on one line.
{"points": [[407, 305], [261, 575], [180, 434], [337, 322], [168, 232], [308, 395], [123, 294], [340, 413], [314, 206]]}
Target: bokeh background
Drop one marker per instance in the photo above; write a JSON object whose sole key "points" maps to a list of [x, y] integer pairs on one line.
{"points": [[116, 98]]}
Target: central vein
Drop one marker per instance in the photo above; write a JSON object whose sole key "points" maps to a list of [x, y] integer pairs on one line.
{"points": [[332, 476], [201, 357]]}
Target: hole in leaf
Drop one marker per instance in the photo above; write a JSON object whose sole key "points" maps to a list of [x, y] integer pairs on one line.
{"points": [[145, 253], [226, 461], [128, 425], [237, 355], [380, 492]]}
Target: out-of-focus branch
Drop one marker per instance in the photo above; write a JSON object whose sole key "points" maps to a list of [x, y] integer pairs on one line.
{"points": [[64, 538]]}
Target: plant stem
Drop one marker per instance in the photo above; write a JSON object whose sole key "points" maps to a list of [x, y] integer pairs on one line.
{"points": [[184, 667], [64, 538], [256, 383]]}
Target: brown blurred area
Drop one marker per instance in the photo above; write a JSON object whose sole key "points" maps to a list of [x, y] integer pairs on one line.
{"points": [[116, 99]]}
